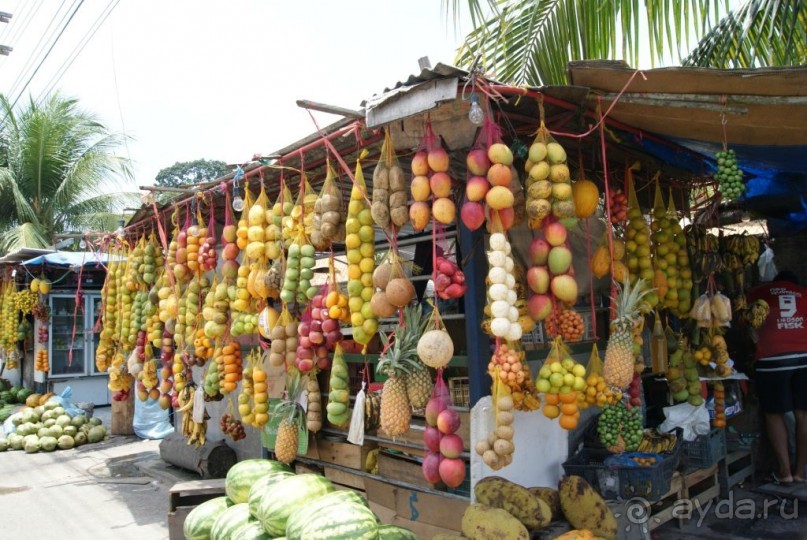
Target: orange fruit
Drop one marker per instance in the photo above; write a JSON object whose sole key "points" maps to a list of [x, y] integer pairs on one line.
{"points": [[568, 397], [568, 422], [552, 399], [551, 411], [568, 408]]}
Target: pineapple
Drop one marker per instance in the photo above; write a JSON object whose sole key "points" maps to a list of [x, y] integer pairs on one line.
{"points": [[400, 362], [619, 358], [286, 443], [419, 387], [293, 416]]}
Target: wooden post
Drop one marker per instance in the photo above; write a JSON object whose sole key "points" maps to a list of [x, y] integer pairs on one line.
{"points": [[123, 415], [475, 270]]}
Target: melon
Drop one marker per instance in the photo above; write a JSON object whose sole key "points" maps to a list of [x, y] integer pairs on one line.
{"points": [[435, 348], [392, 532], [261, 485], [243, 474], [341, 514], [200, 520], [291, 493], [250, 531], [229, 521]]}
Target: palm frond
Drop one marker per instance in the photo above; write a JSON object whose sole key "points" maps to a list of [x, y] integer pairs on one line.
{"points": [[760, 33], [532, 41], [22, 235]]}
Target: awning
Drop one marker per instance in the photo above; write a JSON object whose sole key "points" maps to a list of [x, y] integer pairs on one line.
{"points": [[23, 254], [69, 259]]}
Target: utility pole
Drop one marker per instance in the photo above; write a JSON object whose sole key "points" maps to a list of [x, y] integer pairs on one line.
{"points": [[5, 18]]}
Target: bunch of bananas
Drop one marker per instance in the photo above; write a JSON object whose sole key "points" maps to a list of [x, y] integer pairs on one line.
{"points": [[25, 300], [195, 432], [704, 252], [654, 442], [739, 251], [756, 312]]}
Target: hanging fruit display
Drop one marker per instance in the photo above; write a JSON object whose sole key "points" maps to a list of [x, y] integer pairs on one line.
{"points": [[619, 354], [390, 205], [338, 407], [719, 392], [231, 426], [586, 197], [637, 236], [360, 244], [618, 206], [502, 295], [509, 363], [549, 189], [673, 275], [443, 461], [283, 350], [300, 264], [313, 412], [329, 215], [431, 184], [449, 282], [729, 175], [497, 448], [292, 420]]}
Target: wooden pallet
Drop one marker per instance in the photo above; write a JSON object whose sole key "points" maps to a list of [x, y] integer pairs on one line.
{"points": [[735, 469], [699, 487]]}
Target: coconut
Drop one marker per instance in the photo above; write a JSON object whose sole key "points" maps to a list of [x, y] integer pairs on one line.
{"points": [[381, 275], [400, 292], [435, 348], [380, 306]]}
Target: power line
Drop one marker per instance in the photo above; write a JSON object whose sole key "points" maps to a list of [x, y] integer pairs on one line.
{"points": [[12, 28], [47, 53], [80, 47], [36, 50]]}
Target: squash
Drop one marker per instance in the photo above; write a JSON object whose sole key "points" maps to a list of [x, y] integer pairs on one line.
{"points": [[586, 197]]}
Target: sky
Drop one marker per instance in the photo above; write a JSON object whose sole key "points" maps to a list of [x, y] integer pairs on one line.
{"points": [[219, 80]]}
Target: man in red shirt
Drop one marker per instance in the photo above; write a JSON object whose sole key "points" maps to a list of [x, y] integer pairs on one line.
{"points": [[781, 369]]}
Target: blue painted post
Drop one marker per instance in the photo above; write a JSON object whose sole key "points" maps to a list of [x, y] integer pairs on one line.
{"points": [[475, 269]]}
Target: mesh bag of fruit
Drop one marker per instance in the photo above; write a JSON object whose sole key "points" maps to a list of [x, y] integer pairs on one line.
{"points": [[390, 196], [328, 211]]}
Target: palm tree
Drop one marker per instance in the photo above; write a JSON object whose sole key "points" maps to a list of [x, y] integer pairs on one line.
{"points": [[532, 41], [57, 173]]}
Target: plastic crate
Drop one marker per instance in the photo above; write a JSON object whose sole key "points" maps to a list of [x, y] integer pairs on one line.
{"points": [[614, 482], [706, 450], [460, 391]]}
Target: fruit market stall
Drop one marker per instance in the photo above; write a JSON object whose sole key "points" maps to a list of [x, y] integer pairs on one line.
{"points": [[64, 320], [458, 298]]}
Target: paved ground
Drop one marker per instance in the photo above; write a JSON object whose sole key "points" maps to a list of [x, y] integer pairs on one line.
{"points": [[98, 491]]}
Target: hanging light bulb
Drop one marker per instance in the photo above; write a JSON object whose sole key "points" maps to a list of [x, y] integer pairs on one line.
{"points": [[476, 115], [82, 244], [119, 230]]}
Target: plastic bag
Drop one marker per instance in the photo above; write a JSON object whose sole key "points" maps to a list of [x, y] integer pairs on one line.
{"points": [[150, 420], [63, 400], [766, 265], [355, 433], [693, 420]]}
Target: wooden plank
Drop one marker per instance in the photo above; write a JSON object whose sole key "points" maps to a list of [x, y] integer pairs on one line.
{"points": [[418, 506], [400, 468], [342, 453], [176, 522], [214, 485], [344, 478], [380, 493], [424, 530]]}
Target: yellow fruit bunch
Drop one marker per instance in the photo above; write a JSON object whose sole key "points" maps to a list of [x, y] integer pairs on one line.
{"points": [[25, 300], [41, 361]]}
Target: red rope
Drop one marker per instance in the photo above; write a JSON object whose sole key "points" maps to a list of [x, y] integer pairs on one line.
{"points": [[591, 281], [76, 300]]}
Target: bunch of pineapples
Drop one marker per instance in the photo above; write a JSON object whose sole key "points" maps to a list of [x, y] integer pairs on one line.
{"points": [[409, 381]]}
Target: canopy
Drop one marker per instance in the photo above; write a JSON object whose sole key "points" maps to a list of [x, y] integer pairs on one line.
{"points": [[69, 259]]}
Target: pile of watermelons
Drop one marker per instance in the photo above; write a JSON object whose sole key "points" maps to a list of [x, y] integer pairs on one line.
{"points": [[12, 394]]}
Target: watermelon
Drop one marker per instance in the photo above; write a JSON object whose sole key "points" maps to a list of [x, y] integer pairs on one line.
{"points": [[260, 486], [340, 521], [281, 499], [300, 517], [7, 396], [228, 521], [250, 531], [200, 520], [391, 532], [243, 474]]}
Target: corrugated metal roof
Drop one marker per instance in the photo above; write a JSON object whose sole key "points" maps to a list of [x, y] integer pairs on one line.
{"points": [[23, 254]]}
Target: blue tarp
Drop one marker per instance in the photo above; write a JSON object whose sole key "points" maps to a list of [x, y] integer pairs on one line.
{"points": [[69, 258], [775, 176]]}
